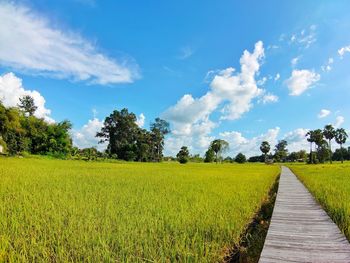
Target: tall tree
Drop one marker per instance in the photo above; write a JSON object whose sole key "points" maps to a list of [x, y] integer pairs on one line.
{"points": [[329, 134], [120, 131], [219, 146], [159, 128], [209, 156], [265, 148], [27, 105], [281, 151], [311, 139], [340, 138], [183, 155]]}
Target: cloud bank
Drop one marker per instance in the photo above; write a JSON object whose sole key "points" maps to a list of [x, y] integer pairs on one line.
{"points": [[30, 44]]}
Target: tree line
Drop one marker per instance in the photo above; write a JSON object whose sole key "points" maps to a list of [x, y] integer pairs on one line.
{"points": [[22, 132]]}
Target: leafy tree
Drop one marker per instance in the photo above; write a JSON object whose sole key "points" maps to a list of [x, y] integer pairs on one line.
{"points": [[340, 154], [159, 128], [219, 146], [281, 151], [120, 131], [209, 156], [297, 156], [323, 151], [329, 134], [258, 158], [265, 148], [27, 105], [340, 138], [183, 155], [240, 158], [310, 138]]}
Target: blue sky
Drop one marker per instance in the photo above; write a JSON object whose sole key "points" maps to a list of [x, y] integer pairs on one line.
{"points": [[183, 61]]}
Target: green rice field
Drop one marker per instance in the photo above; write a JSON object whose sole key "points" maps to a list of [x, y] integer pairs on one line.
{"points": [[330, 184], [64, 211]]}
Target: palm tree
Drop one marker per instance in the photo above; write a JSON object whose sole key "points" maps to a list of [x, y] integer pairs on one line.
{"points": [[310, 138], [340, 138], [265, 148], [218, 146], [329, 134]]}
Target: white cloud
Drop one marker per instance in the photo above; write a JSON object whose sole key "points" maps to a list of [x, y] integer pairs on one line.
{"points": [[269, 98], [305, 37], [295, 61], [301, 80], [186, 52], [296, 140], [339, 121], [11, 90], [29, 43], [262, 81], [230, 92], [328, 66], [277, 77], [343, 50], [85, 137], [141, 120], [323, 113], [238, 143]]}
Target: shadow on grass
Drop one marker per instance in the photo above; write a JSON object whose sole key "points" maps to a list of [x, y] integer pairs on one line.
{"points": [[253, 238]]}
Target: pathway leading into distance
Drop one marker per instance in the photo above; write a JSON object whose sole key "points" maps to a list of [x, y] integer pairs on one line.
{"points": [[300, 230]]}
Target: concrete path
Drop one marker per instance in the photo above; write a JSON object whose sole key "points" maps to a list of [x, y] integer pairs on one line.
{"points": [[300, 230]]}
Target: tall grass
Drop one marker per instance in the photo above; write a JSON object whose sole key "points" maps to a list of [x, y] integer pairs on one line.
{"points": [[330, 184], [58, 211]]}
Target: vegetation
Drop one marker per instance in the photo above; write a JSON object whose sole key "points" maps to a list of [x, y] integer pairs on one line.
{"points": [[240, 158], [218, 146], [265, 148], [330, 184], [22, 132], [56, 210], [183, 155]]}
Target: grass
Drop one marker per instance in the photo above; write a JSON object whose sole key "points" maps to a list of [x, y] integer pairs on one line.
{"points": [[59, 211], [330, 184]]}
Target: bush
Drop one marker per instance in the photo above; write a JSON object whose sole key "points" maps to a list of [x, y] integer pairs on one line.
{"points": [[240, 158]]}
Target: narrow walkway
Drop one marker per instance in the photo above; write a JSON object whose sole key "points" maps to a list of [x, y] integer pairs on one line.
{"points": [[300, 230]]}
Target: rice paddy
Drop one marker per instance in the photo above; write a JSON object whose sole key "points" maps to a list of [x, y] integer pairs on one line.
{"points": [[330, 184], [58, 211]]}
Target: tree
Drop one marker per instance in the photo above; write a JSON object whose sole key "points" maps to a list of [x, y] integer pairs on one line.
{"points": [[240, 158], [120, 131], [27, 105], [281, 151], [219, 146], [265, 148], [340, 138], [159, 128], [329, 134], [209, 156], [310, 138], [183, 155]]}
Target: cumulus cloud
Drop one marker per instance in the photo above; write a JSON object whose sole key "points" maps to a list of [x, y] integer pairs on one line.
{"points": [[297, 140], [268, 98], [85, 137], [141, 120], [230, 92], [328, 66], [305, 38], [343, 50], [323, 113], [295, 61], [31, 44], [11, 90], [300, 81], [238, 143], [277, 77], [339, 121]]}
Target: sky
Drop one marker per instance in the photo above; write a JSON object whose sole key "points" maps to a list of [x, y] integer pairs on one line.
{"points": [[243, 71]]}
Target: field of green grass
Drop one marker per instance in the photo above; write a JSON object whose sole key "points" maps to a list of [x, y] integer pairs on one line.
{"points": [[55, 210], [330, 184]]}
